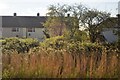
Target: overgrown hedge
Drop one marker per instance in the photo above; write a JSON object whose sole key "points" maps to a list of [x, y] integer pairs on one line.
{"points": [[18, 44], [59, 43], [58, 57]]}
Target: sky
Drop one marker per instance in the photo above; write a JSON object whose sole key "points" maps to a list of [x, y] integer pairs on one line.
{"points": [[32, 7]]}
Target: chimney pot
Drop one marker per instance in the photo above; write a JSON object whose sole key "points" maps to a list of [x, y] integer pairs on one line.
{"points": [[38, 14], [68, 15], [15, 14]]}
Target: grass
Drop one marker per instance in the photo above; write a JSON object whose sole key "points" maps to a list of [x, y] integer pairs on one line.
{"points": [[47, 63]]}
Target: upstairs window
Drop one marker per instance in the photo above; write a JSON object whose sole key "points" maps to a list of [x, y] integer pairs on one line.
{"points": [[15, 29], [31, 29]]}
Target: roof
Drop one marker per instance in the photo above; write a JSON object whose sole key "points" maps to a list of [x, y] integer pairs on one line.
{"points": [[111, 22], [23, 21]]}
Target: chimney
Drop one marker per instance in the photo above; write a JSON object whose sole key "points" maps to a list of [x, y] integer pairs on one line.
{"points": [[15, 14], [38, 14], [68, 15]]}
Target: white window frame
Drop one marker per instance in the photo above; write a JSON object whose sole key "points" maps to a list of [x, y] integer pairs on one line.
{"points": [[31, 29], [15, 29]]}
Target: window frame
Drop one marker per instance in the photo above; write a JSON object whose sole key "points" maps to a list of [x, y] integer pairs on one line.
{"points": [[15, 29], [30, 29]]}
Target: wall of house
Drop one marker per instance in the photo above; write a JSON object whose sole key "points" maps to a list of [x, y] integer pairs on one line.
{"points": [[24, 32], [0, 45], [7, 32], [0, 26], [38, 34]]}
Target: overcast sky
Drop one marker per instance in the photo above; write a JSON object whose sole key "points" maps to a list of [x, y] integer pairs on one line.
{"points": [[32, 7]]}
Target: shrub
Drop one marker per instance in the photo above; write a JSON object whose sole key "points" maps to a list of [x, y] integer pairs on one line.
{"points": [[54, 42], [19, 45], [71, 45]]}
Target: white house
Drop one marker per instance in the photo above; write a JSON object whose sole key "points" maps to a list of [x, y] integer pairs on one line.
{"points": [[32, 27], [111, 29], [113, 26], [22, 26]]}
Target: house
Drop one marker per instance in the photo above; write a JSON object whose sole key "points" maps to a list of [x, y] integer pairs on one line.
{"points": [[22, 26], [32, 27], [113, 26], [110, 30]]}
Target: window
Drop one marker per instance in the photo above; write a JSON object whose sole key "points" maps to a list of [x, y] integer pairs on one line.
{"points": [[15, 29], [31, 29]]}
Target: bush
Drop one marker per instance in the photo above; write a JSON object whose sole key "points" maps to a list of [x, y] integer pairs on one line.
{"points": [[19, 45], [71, 45], [78, 36], [57, 42]]}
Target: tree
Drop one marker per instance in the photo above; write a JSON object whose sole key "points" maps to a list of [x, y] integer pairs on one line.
{"points": [[91, 19], [55, 24], [76, 12], [77, 15], [59, 23]]}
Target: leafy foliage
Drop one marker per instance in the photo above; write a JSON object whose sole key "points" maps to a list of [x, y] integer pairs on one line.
{"points": [[54, 26], [19, 45], [54, 42], [61, 42]]}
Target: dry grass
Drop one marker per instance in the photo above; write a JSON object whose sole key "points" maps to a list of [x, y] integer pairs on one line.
{"points": [[62, 64]]}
